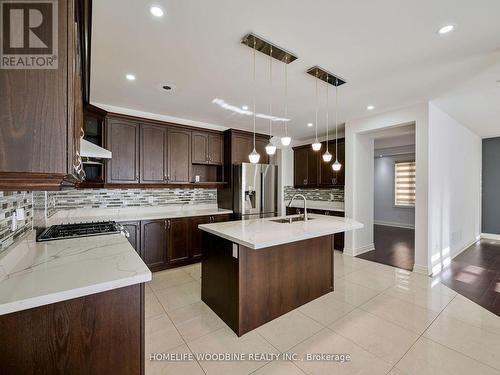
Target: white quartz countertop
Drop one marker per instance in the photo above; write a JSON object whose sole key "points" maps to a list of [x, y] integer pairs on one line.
{"points": [[39, 273], [82, 215], [261, 233], [319, 205]]}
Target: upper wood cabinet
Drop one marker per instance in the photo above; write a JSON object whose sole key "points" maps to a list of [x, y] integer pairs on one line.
{"points": [[239, 145], [122, 139], [153, 154], [41, 116], [207, 148], [179, 155], [310, 171]]}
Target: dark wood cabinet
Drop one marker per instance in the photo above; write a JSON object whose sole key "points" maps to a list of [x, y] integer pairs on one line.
{"points": [[134, 229], [239, 144], [122, 139], [207, 148], [179, 155], [179, 238], [153, 154], [41, 114], [310, 171], [196, 249], [154, 243], [305, 166], [260, 147]]}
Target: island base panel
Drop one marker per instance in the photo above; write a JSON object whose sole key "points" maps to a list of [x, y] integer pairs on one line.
{"points": [[260, 285]]}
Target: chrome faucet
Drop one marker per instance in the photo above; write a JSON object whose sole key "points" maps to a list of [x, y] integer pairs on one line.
{"points": [[305, 204]]}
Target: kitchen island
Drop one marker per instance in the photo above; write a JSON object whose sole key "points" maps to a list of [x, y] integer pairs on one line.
{"points": [[256, 270]]}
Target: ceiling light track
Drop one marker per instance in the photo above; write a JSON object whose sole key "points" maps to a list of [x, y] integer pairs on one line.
{"points": [[326, 76], [260, 44]]}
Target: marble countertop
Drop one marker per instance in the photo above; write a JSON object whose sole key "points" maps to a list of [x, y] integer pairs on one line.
{"points": [[261, 233], [82, 215], [319, 205], [39, 273]]}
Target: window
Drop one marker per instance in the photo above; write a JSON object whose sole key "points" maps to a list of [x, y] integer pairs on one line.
{"points": [[404, 184]]}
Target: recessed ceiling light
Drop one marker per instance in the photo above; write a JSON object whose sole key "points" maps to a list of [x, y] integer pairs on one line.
{"points": [[130, 77], [156, 11], [245, 108], [310, 125], [166, 87], [370, 107], [446, 29]]}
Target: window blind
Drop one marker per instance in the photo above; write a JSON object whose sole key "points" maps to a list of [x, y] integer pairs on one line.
{"points": [[404, 180]]}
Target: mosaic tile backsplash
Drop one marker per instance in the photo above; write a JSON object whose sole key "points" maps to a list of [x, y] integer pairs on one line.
{"points": [[330, 195], [9, 202], [108, 198]]}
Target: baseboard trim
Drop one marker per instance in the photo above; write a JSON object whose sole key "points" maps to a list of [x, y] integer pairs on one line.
{"points": [[420, 269], [363, 249], [464, 248], [490, 236], [397, 225]]}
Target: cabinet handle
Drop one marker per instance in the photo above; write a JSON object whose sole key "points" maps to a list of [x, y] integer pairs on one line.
{"points": [[168, 224], [137, 177]]}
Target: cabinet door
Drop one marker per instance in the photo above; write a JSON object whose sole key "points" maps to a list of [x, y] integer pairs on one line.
{"points": [[123, 141], [216, 149], [133, 228], [339, 179], [221, 218], [313, 159], [300, 158], [153, 150], [196, 249], [179, 239], [154, 243], [326, 173], [241, 147], [260, 146], [200, 144], [179, 155]]}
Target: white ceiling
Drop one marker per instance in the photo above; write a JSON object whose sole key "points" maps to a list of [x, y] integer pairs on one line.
{"points": [[387, 50]]}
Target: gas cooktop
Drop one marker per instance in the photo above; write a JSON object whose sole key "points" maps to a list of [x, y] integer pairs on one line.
{"points": [[66, 231]]}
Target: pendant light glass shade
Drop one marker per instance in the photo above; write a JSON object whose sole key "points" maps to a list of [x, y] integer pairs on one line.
{"points": [[336, 166], [327, 157], [270, 148], [316, 146], [254, 157], [285, 141]]}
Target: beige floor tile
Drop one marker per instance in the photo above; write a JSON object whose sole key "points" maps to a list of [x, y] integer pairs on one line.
{"points": [[474, 342], [180, 295], [279, 368], [351, 293], [430, 358], [225, 341], [194, 270], [169, 278], [378, 281], [160, 335], [151, 306], [326, 309], [404, 314], [327, 341], [174, 367], [288, 330], [420, 296], [396, 371], [345, 264], [469, 312], [195, 320], [381, 338], [417, 280]]}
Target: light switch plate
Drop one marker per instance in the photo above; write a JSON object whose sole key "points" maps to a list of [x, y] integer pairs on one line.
{"points": [[235, 250]]}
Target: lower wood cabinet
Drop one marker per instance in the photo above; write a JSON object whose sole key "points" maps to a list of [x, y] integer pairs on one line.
{"points": [[169, 243]]}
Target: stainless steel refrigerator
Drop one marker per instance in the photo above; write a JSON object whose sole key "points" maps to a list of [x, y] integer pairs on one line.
{"points": [[255, 190]]}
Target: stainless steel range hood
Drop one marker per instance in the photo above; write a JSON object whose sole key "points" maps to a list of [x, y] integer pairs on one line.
{"points": [[90, 150]]}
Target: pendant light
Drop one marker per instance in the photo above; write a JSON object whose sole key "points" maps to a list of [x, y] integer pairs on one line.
{"points": [[336, 166], [316, 146], [270, 147], [286, 140], [254, 156], [327, 157]]}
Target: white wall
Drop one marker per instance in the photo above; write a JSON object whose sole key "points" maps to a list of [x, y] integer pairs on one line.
{"points": [[359, 178], [454, 189], [385, 211], [284, 160]]}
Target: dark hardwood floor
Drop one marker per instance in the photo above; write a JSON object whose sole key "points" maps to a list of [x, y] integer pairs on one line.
{"points": [[393, 246], [476, 274]]}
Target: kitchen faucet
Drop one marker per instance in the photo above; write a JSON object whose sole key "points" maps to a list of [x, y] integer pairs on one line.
{"points": [[305, 204]]}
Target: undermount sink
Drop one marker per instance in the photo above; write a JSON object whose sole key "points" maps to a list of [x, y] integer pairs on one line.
{"points": [[291, 219]]}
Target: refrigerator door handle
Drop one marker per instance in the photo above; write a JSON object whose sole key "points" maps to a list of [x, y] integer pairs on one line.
{"points": [[262, 192]]}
